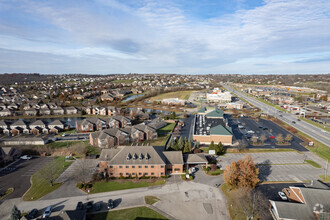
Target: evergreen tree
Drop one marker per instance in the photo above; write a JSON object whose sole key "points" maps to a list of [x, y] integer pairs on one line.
{"points": [[15, 213], [220, 150], [180, 143], [212, 146]]}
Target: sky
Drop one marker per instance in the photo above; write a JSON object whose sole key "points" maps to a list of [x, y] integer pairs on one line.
{"points": [[165, 36]]}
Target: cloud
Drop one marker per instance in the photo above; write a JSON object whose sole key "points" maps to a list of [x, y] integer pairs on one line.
{"points": [[161, 36]]}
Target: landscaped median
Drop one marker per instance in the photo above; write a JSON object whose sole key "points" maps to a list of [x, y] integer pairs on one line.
{"points": [[7, 192], [131, 213], [41, 180]]}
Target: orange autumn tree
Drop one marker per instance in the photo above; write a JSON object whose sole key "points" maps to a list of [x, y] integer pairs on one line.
{"points": [[242, 174]]}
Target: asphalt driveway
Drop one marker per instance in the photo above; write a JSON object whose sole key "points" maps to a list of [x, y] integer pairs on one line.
{"points": [[18, 175]]}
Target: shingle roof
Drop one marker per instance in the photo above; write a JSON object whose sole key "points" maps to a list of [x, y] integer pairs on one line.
{"points": [[218, 113], [219, 130], [38, 123], [202, 110], [146, 151], [3, 123], [195, 158], [173, 157], [18, 123], [56, 122]]}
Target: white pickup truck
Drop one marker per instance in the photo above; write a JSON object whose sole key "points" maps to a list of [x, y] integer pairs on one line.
{"points": [[26, 157]]}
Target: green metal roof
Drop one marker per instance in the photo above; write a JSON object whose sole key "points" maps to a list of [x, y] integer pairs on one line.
{"points": [[218, 113], [202, 110], [220, 130]]}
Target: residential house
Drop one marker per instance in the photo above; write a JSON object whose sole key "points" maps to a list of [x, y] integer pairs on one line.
{"points": [[106, 97], [58, 111], [44, 111], [109, 138], [8, 154], [19, 127], [71, 110], [112, 110], [90, 124], [38, 127], [4, 127], [31, 112], [13, 106], [6, 112], [140, 161], [55, 127]]}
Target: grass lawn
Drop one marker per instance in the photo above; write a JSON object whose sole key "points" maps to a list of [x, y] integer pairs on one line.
{"points": [[234, 210], [204, 149], [168, 128], [160, 141], [71, 131], [150, 199], [127, 214], [324, 127], [215, 173], [327, 178], [319, 149], [178, 94], [313, 163], [104, 186], [260, 150], [41, 187], [60, 144], [8, 191]]}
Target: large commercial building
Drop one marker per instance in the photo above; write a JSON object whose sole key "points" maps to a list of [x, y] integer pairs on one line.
{"points": [[218, 96], [212, 126]]}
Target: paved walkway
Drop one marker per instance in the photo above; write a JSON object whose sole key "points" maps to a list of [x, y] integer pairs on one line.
{"points": [[180, 200]]}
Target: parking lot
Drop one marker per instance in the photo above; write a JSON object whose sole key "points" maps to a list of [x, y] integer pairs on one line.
{"points": [[245, 128], [18, 175]]}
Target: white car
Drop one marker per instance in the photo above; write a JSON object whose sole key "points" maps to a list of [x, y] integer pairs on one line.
{"points": [[26, 157], [63, 135], [250, 132], [282, 195]]}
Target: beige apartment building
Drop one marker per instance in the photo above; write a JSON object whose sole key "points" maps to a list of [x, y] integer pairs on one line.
{"points": [[140, 161]]}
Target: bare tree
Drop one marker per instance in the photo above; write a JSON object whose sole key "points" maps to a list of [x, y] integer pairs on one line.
{"points": [[279, 138], [242, 144], [288, 137], [263, 138], [254, 139], [84, 170], [49, 173], [252, 203]]}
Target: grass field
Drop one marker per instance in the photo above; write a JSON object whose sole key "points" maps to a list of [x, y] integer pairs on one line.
{"points": [[60, 144], [150, 199], [168, 128], [40, 186], [324, 127], [313, 163], [234, 210], [325, 180], [319, 149], [215, 173], [104, 186], [160, 141], [127, 214], [179, 94]]}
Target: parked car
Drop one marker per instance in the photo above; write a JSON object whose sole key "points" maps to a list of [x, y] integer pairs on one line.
{"points": [[89, 206], [250, 132], [282, 195], [272, 137], [293, 122], [47, 212], [32, 214], [298, 119], [26, 157], [80, 206], [265, 129], [63, 135], [110, 204], [97, 206]]}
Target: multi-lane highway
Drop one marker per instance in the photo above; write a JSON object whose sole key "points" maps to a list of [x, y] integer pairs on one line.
{"points": [[311, 130]]}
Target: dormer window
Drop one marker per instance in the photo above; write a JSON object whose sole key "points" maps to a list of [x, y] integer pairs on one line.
{"points": [[135, 156], [147, 156], [141, 156], [129, 156]]}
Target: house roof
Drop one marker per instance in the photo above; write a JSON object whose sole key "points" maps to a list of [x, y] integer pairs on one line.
{"points": [[195, 158], [56, 122], [18, 123], [108, 154], [217, 113], [173, 157], [202, 110], [146, 151], [3, 123], [220, 130], [38, 123]]}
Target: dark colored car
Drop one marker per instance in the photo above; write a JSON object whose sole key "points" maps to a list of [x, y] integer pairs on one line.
{"points": [[89, 206], [80, 206], [110, 204], [293, 122], [97, 206], [265, 128], [32, 214], [298, 119]]}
